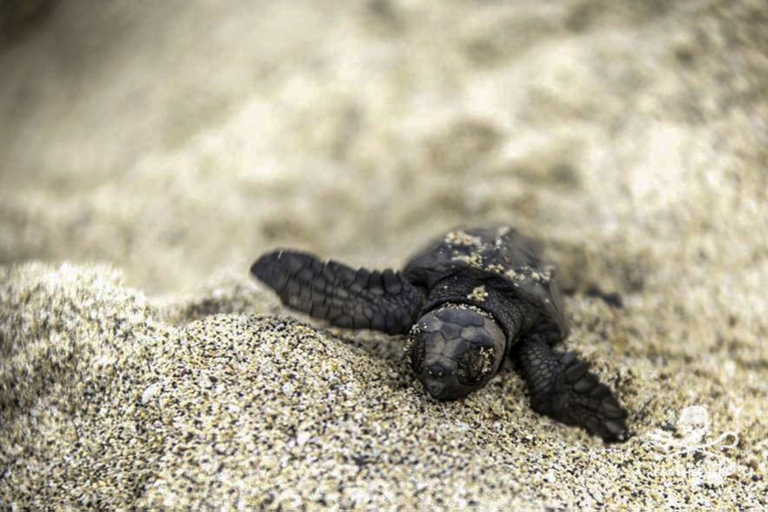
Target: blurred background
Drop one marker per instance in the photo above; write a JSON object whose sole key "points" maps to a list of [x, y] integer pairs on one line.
{"points": [[180, 139]]}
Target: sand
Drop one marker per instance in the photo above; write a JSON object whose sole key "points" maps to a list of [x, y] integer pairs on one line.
{"points": [[149, 154]]}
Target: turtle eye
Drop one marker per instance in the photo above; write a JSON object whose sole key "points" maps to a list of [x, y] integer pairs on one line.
{"points": [[474, 364]]}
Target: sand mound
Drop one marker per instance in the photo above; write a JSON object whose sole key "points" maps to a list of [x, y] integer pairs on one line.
{"points": [[111, 402]]}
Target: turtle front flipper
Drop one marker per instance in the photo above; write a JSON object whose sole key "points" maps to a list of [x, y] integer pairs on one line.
{"points": [[562, 387], [355, 299]]}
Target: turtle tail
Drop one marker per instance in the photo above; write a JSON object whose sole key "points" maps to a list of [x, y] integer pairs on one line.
{"points": [[356, 299]]}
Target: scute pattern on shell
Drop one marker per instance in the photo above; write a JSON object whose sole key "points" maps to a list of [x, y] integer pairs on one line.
{"points": [[500, 260]]}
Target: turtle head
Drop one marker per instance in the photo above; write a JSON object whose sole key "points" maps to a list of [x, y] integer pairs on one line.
{"points": [[455, 350]]}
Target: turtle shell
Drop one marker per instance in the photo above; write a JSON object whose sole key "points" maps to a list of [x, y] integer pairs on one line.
{"points": [[496, 261]]}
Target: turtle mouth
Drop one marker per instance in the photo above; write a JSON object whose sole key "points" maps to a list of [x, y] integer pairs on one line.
{"points": [[441, 382], [445, 392]]}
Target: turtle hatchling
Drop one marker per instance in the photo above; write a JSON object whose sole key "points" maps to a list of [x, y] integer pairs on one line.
{"points": [[466, 302]]}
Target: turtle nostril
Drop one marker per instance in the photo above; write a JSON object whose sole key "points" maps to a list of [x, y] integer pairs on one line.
{"points": [[434, 389]]}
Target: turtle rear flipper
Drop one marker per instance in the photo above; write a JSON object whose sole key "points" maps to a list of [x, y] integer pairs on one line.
{"points": [[356, 299], [562, 387]]}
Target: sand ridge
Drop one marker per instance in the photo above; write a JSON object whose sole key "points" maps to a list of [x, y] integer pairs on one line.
{"points": [[245, 410]]}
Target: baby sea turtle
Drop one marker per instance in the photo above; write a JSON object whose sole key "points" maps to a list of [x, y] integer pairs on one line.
{"points": [[467, 301]]}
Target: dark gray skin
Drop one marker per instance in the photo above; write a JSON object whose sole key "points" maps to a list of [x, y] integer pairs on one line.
{"points": [[466, 302]]}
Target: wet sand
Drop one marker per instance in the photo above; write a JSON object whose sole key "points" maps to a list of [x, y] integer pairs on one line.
{"points": [[151, 153]]}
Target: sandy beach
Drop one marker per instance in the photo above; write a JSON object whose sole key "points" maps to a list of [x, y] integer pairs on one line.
{"points": [[148, 154]]}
